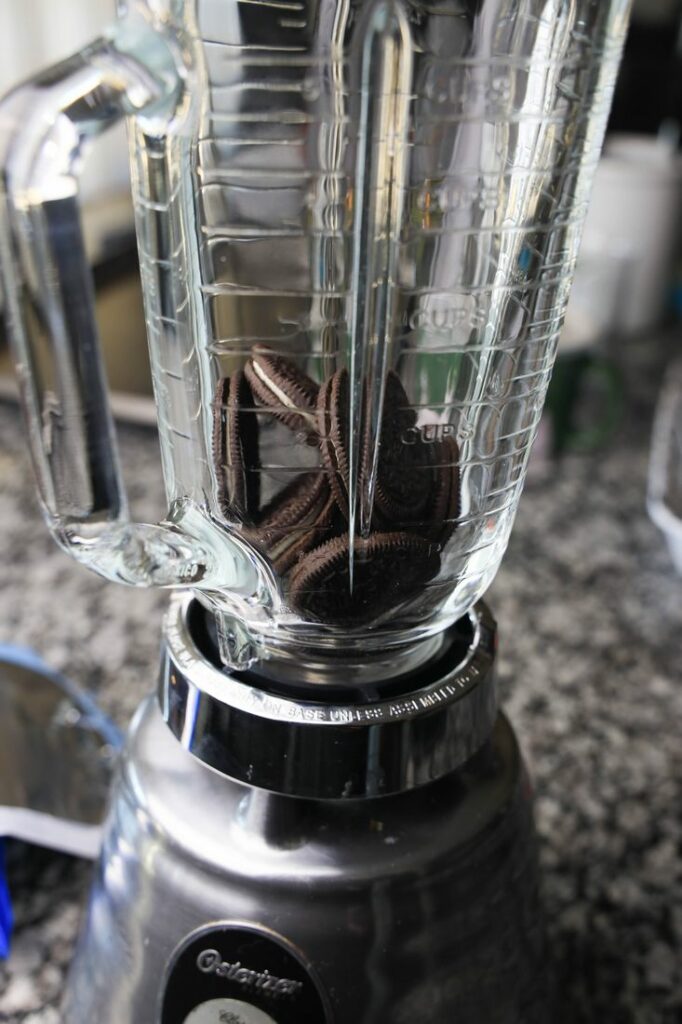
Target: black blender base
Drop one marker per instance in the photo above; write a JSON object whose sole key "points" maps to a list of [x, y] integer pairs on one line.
{"points": [[217, 902], [421, 906]]}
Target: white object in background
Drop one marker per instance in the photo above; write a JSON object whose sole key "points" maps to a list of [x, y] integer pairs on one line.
{"points": [[634, 216], [664, 497], [595, 307]]}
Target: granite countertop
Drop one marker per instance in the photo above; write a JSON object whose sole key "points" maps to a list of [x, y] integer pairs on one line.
{"points": [[590, 614]]}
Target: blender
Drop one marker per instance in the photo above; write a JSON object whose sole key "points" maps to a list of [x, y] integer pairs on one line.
{"points": [[357, 225]]}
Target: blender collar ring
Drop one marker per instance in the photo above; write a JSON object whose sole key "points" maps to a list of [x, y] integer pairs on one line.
{"points": [[239, 726]]}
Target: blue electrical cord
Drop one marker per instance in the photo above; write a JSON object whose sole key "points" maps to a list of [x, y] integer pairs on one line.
{"points": [[6, 917]]}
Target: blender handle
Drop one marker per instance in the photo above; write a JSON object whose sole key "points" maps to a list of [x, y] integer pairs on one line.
{"points": [[45, 125]]}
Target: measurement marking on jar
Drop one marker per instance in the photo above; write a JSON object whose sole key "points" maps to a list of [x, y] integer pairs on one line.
{"points": [[234, 141], [278, 117], [514, 291], [228, 232], [278, 5], [465, 348], [220, 89], [444, 181]]}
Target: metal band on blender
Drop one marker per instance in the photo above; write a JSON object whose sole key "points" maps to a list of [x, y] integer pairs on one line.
{"points": [[323, 749]]}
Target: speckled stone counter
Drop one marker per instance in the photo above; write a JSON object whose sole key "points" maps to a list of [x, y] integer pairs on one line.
{"points": [[590, 615]]}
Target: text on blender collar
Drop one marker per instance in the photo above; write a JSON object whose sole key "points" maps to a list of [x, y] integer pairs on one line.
{"points": [[209, 962], [415, 703]]}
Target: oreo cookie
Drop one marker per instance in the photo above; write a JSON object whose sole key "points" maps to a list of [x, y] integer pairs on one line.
{"points": [[235, 447], [387, 569], [286, 391], [332, 424], [303, 530], [444, 505], [403, 473], [296, 520]]}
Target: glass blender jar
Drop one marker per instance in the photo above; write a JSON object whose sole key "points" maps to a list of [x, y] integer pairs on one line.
{"points": [[357, 226]]}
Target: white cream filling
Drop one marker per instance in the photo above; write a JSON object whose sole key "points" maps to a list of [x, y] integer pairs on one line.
{"points": [[284, 399]]}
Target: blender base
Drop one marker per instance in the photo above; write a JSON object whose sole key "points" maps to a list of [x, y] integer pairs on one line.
{"points": [[216, 902]]}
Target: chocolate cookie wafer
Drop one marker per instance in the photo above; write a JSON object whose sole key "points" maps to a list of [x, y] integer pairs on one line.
{"points": [[298, 519], [404, 476], [444, 505], [235, 447], [332, 424], [388, 568], [289, 393]]}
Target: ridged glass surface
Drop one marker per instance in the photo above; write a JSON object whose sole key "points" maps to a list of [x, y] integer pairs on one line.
{"points": [[395, 189]]}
